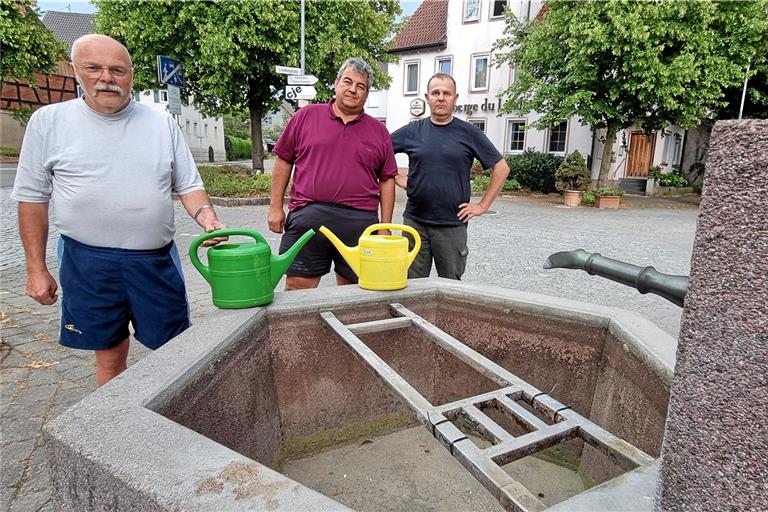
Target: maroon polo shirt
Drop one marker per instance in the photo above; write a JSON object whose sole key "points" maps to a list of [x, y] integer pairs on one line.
{"points": [[335, 162]]}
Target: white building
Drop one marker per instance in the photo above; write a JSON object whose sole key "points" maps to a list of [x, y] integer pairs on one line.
{"points": [[457, 37], [203, 135]]}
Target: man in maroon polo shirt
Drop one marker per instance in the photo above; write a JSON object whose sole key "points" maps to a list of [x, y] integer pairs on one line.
{"points": [[344, 170]]}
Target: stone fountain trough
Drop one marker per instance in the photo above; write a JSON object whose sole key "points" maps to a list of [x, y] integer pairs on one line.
{"points": [[235, 413]]}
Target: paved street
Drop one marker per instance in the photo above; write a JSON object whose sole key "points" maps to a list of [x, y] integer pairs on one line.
{"points": [[39, 379]]}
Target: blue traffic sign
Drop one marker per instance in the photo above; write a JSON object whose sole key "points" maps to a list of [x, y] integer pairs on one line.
{"points": [[169, 71]]}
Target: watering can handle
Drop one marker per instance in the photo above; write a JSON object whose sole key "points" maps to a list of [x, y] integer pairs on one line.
{"points": [[203, 269], [401, 227]]}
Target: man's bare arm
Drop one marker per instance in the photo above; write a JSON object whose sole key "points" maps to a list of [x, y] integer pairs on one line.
{"points": [[33, 230]]}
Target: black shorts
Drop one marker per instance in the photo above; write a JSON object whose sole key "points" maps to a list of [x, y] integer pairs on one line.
{"points": [[315, 258]]}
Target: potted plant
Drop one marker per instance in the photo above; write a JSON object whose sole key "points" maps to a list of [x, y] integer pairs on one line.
{"points": [[607, 197], [572, 178]]}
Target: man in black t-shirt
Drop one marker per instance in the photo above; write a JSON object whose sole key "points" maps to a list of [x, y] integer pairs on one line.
{"points": [[440, 152]]}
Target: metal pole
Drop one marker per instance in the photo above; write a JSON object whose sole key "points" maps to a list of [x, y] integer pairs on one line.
{"points": [[743, 91], [302, 37]]}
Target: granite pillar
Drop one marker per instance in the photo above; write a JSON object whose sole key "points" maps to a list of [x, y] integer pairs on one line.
{"points": [[715, 452]]}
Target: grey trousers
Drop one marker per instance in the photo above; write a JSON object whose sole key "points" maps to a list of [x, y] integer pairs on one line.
{"points": [[446, 245]]}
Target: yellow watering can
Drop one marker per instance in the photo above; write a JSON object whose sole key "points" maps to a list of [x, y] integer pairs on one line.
{"points": [[380, 261]]}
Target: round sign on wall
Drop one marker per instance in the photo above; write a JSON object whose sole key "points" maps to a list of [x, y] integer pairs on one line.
{"points": [[417, 107]]}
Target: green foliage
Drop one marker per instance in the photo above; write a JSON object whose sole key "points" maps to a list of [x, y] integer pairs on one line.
{"points": [[6, 151], [480, 183], [273, 132], [27, 46], [21, 114], [230, 48], [234, 181], [236, 148], [572, 173], [237, 125], [669, 179], [511, 185], [588, 199], [534, 170], [607, 191]]}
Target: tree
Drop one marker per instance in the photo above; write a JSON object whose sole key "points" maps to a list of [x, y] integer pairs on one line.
{"points": [[27, 46], [617, 62], [230, 48]]}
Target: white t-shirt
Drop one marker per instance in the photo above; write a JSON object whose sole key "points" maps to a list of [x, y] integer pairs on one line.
{"points": [[110, 176]]}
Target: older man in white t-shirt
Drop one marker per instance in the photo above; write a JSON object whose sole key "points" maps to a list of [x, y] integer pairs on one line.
{"points": [[110, 166]]}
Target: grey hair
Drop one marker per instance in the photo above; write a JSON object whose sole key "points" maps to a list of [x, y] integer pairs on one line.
{"points": [[358, 65]]}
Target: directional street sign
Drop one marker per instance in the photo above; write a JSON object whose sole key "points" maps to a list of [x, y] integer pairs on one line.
{"points": [[302, 79], [285, 70], [300, 92], [169, 71]]}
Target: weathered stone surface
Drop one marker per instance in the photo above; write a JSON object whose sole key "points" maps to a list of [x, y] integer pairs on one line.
{"points": [[715, 445]]}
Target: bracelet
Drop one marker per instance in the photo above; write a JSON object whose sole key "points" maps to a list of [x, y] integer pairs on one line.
{"points": [[200, 210]]}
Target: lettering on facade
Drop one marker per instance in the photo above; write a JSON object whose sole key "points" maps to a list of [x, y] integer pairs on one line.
{"points": [[473, 108]]}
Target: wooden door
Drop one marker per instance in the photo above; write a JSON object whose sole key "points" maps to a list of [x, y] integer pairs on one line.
{"points": [[640, 152]]}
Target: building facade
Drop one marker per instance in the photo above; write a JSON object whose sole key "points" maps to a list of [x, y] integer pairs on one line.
{"points": [[457, 37]]}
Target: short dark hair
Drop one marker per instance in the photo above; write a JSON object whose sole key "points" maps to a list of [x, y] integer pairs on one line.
{"points": [[358, 65], [442, 76]]}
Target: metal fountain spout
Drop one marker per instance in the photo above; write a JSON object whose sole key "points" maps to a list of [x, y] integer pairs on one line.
{"points": [[644, 279]]}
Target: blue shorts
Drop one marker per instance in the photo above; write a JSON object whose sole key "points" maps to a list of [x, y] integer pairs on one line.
{"points": [[103, 289]]}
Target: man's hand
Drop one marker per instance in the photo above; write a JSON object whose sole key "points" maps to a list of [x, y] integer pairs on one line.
{"points": [[42, 287], [210, 222], [401, 181], [470, 210], [276, 219]]}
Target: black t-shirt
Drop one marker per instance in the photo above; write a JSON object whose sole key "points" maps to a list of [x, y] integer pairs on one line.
{"points": [[440, 160]]}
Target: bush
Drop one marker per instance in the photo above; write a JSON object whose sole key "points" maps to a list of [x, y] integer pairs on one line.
{"points": [[511, 185], [534, 170], [607, 191], [6, 151], [588, 198], [669, 179], [480, 183], [572, 173], [236, 148], [234, 181]]}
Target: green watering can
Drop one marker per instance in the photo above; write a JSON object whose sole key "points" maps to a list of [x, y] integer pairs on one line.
{"points": [[243, 275]]}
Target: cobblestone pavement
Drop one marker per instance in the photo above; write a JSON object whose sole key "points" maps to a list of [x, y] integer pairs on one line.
{"points": [[39, 379]]}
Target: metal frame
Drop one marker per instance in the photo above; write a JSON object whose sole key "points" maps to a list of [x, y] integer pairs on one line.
{"points": [[485, 463]]}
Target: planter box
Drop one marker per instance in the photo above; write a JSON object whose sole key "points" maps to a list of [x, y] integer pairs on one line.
{"points": [[572, 197], [607, 201]]}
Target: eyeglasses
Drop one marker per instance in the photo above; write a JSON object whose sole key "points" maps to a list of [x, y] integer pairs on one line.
{"points": [[94, 71]]}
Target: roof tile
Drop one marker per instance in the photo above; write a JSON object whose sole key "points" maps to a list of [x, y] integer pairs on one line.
{"points": [[426, 27]]}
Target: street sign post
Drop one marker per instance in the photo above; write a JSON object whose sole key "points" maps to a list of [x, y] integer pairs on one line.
{"points": [[174, 99], [285, 70], [302, 79], [300, 92], [169, 71]]}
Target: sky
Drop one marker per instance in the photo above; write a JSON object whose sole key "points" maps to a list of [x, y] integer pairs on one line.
{"points": [[409, 6]]}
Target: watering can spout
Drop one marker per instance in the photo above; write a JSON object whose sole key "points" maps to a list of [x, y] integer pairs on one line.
{"points": [[350, 254], [280, 264]]}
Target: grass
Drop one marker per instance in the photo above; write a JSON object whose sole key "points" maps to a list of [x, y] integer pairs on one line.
{"points": [[6, 151], [234, 181]]}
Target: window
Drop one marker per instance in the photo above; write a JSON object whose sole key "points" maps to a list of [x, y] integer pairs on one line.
{"points": [[156, 95], [557, 137], [497, 8], [480, 123], [187, 126], [164, 96], [471, 10], [196, 129], [136, 96], [205, 130], [444, 65], [516, 135], [676, 149], [411, 78], [215, 132], [480, 73]]}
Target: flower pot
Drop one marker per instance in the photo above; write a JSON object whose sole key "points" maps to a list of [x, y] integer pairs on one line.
{"points": [[572, 197], [607, 201]]}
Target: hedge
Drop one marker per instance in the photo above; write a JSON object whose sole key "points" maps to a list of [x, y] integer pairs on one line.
{"points": [[236, 148], [534, 170]]}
